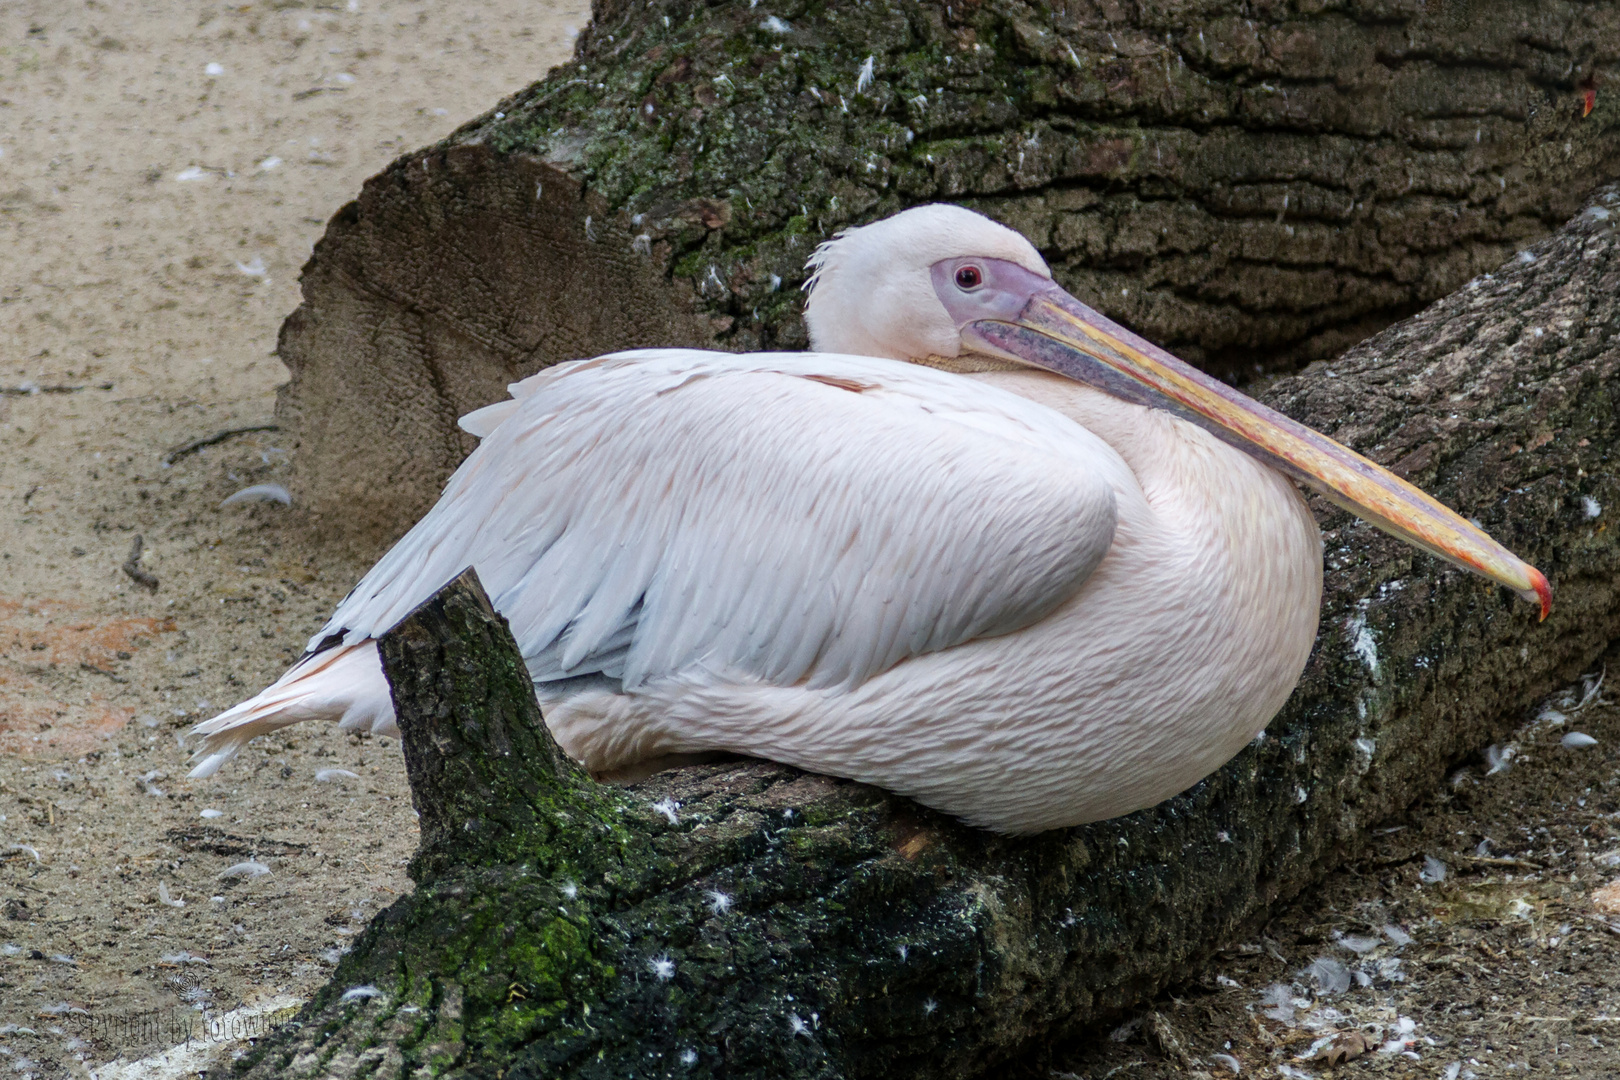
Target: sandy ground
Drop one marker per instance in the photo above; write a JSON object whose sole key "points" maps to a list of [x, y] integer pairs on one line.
{"points": [[163, 173], [1478, 938]]}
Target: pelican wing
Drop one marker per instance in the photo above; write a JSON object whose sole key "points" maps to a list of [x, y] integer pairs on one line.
{"points": [[778, 517]]}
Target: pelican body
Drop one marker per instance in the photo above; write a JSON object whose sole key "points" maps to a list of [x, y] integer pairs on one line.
{"points": [[983, 547]]}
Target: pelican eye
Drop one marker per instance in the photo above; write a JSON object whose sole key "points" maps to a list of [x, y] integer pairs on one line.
{"points": [[969, 277]]}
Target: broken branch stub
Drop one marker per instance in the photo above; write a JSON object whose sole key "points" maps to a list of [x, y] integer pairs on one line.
{"points": [[751, 920], [488, 781]]}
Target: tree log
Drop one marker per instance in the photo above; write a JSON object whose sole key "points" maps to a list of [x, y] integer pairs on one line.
{"points": [[749, 920], [1250, 183]]}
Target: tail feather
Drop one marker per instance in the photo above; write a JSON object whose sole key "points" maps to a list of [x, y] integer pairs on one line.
{"points": [[345, 684]]}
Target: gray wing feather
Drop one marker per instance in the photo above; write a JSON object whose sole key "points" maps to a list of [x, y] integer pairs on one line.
{"points": [[775, 517]]}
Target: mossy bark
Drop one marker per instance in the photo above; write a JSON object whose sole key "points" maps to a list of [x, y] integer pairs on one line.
{"points": [[749, 920], [1250, 183]]}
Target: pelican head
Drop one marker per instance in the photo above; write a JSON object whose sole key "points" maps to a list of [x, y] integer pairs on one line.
{"points": [[941, 281]]}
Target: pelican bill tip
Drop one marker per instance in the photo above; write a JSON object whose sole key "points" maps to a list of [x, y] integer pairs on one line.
{"points": [[1538, 582]]}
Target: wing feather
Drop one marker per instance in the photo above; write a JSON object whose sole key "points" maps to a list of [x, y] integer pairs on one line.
{"points": [[779, 517]]}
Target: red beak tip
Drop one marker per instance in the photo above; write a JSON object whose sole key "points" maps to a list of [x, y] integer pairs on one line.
{"points": [[1543, 590]]}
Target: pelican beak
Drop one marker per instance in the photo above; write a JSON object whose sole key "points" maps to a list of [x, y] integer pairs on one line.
{"points": [[1030, 320]]}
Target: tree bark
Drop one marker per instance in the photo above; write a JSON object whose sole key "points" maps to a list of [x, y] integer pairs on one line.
{"points": [[1250, 183], [749, 920]]}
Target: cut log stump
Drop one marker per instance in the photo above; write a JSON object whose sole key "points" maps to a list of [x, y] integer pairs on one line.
{"points": [[750, 920], [1253, 184]]}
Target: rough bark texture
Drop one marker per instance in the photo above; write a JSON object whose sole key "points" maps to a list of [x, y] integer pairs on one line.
{"points": [[818, 928], [1250, 183]]}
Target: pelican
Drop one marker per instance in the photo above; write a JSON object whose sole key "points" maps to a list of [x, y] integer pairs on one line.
{"points": [[982, 547]]}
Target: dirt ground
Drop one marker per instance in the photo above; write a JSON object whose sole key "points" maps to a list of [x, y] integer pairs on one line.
{"points": [[1478, 937], [164, 170]]}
